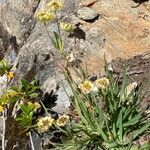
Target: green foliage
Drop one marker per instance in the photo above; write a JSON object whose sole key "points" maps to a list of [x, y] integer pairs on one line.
{"points": [[112, 119], [26, 116], [27, 90], [58, 42], [4, 67], [26, 93]]}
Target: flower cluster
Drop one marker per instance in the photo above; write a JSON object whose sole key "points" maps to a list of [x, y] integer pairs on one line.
{"points": [[66, 26], [45, 16], [88, 86], [102, 83], [62, 120], [49, 14], [55, 5], [44, 124]]}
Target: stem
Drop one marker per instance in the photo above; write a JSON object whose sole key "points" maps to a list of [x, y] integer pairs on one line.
{"points": [[4, 128], [47, 32], [45, 109], [4, 121], [7, 82], [31, 141], [52, 144], [57, 22], [60, 129]]}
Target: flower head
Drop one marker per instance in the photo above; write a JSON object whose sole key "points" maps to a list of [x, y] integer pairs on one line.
{"points": [[55, 5], [66, 26], [37, 105], [45, 16], [44, 124], [1, 108], [102, 83], [10, 75], [86, 86], [62, 120]]}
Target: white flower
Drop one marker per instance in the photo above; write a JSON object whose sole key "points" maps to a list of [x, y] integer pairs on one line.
{"points": [[44, 124], [102, 83], [86, 86], [62, 120]]}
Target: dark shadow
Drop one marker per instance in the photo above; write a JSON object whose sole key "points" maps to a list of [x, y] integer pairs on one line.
{"points": [[49, 101], [78, 33], [76, 63], [139, 2]]}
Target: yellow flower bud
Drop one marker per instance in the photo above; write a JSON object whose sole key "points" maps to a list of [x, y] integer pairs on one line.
{"points": [[55, 5], [66, 26], [10, 75]]}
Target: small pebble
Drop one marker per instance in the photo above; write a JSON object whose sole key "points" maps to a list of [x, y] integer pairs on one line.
{"points": [[87, 14]]}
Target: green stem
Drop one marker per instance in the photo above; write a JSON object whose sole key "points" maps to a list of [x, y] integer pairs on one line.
{"points": [[60, 129], [45, 109], [47, 32], [57, 22]]}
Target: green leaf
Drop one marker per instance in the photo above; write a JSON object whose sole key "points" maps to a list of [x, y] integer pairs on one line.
{"points": [[141, 130], [2, 71], [145, 146], [33, 95], [123, 86], [133, 121], [120, 124], [58, 42], [27, 108]]}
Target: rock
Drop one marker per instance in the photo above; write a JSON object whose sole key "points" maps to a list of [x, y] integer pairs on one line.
{"points": [[87, 3], [3, 84], [18, 18], [87, 14], [146, 55]]}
